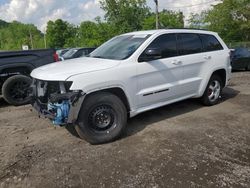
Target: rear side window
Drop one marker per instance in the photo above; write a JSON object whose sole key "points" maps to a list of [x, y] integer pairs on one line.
{"points": [[167, 43], [210, 43], [189, 43]]}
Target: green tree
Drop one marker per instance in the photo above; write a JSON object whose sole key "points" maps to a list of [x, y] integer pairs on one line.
{"points": [[231, 19], [15, 34], [243, 16], [125, 15], [222, 19], [73, 36], [197, 20], [167, 19], [3, 24], [60, 34], [88, 32], [93, 34]]}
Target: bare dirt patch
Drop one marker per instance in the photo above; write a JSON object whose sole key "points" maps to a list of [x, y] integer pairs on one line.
{"points": [[180, 145]]}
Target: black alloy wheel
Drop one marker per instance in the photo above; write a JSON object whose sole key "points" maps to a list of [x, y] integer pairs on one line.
{"points": [[16, 90]]}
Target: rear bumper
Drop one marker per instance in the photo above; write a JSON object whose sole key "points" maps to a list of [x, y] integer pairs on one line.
{"points": [[228, 76]]}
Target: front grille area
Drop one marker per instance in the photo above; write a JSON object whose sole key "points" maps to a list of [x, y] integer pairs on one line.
{"points": [[44, 89], [54, 100], [52, 87]]}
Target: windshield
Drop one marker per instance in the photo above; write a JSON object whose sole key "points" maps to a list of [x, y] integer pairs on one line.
{"points": [[118, 48], [69, 53]]}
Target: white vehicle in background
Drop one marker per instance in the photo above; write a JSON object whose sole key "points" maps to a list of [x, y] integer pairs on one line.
{"points": [[130, 74]]}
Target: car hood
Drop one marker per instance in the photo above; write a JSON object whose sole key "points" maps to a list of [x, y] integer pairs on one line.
{"points": [[62, 70]]}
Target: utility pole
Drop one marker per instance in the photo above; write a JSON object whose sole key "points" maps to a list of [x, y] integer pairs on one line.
{"points": [[156, 14], [31, 39], [45, 42]]}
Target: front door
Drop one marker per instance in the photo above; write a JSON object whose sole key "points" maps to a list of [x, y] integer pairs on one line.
{"points": [[158, 79]]}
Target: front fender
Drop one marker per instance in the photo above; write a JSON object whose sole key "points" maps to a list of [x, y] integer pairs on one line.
{"points": [[96, 81], [75, 109]]}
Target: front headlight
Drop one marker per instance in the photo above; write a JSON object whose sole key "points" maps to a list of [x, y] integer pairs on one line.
{"points": [[67, 85]]}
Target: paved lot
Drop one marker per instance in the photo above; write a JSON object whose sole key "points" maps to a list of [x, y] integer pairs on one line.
{"points": [[180, 145]]}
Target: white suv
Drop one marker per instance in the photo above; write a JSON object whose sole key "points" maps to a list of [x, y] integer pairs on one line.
{"points": [[130, 74]]}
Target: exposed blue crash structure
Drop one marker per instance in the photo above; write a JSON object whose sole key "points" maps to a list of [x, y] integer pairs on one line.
{"points": [[60, 111], [56, 102]]}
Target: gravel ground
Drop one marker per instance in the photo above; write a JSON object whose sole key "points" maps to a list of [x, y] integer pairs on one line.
{"points": [[180, 145]]}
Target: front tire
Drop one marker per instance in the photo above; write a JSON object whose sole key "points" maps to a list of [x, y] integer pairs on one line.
{"points": [[102, 118], [15, 90], [212, 93]]}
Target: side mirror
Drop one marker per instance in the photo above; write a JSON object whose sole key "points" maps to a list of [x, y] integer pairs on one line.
{"points": [[150, 54], [153, 52]]}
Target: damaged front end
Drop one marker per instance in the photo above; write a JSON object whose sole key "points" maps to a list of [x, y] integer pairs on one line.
{"points": [[55, 100]]}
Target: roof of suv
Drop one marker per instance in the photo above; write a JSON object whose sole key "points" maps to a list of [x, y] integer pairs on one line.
{"points": [[185, 30]]}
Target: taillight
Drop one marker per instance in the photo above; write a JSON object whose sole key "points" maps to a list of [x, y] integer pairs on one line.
{"points": [[231, 52], [231, 56], [56, 57]]}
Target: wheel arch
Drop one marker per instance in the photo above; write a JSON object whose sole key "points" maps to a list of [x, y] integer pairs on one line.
{"points": [[222, 74], [12, 70], [17, 69], [118, 91]]}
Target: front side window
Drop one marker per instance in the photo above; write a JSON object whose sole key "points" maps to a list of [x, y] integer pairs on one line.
{"points": [[210, 43], [119, 48], [189, 43], [166, 44]]}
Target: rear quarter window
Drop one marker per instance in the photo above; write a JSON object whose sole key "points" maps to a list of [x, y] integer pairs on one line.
{"points": [[210, 43]]}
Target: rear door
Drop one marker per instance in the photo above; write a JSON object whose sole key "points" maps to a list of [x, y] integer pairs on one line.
{"points": [[193, 59], [158, 79]]}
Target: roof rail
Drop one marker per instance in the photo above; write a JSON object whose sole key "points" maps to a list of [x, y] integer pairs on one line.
{"points": [[185, 28]]}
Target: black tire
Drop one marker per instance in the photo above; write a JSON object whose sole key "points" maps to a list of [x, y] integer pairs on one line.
{"points": [[211, 97], [102, 118], [15, 90], [71, 129]]}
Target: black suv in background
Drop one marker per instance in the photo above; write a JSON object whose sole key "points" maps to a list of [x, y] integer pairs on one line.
{"points": [[240, 59], [15, 69]]}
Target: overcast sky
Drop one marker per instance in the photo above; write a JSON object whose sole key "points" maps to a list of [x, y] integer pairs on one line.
{"points": [[39, 12]]}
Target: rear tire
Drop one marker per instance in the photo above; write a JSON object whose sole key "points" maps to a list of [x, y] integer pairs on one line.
{"points": [[15, 90], [212, 93], [102, 118]]}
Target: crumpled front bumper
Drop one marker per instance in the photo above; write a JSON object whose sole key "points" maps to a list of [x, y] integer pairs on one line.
{"points": [[74, 110], [73, 100]]}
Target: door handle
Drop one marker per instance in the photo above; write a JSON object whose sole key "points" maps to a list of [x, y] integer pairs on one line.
{"points": [[207, 57], [177, 62]]}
